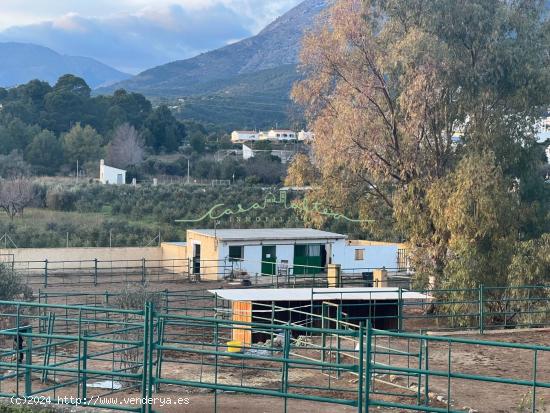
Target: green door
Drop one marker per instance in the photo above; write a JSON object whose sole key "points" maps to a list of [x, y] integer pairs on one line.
{"points": [[308, 259], [269, 260]]}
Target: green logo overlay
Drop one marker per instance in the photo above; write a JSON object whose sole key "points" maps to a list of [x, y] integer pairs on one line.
{"points": [[219, 211]]}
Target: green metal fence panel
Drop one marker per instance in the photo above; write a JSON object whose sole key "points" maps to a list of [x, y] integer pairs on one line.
{"points": [[72, 348]]}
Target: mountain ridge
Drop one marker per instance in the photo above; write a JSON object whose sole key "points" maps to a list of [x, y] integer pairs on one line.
{"points": [[22, 62], [277, 45]]}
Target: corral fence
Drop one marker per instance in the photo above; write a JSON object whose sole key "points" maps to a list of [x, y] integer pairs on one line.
{"points": [[475, 309], [48, 273], [109, 358]]}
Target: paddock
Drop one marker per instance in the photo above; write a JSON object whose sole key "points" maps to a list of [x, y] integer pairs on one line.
{"points": [[75, 342]]}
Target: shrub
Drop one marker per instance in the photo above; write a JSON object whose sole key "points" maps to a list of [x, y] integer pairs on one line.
{"points": [[133, 297], [12, 285]]}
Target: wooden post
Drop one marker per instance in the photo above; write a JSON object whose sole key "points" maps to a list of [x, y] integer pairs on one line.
{"points": [[334, 277], [380, 277]]}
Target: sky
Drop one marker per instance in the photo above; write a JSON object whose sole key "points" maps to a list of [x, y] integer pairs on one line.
{"points": [[134, 35]]}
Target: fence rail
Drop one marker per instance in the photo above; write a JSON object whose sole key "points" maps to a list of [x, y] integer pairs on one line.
{"points": [[48, 273], [476, 309]]}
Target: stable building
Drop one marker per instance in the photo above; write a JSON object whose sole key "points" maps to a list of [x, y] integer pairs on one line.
{"points": [[314, 307], [282, 251]]}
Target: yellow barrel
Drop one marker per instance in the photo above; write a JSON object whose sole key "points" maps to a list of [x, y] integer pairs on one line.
{"points": [[234, 346]]}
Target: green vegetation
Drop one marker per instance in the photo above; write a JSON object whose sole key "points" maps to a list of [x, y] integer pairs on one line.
{"points": [[93, 215], [254, 100], [47, 130], [424, 124], [12, 285], [264, 168], [54, 126]]}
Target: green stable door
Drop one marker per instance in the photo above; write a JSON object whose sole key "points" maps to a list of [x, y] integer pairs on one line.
{"points": [[269, 260], [309, 259]]}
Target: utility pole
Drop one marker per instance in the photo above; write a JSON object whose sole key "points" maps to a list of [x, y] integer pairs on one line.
{"points": [[77, 171], [188, 170]]}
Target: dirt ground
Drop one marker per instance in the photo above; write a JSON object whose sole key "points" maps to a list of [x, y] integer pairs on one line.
{"points": [[479, 396], [234, 403]]}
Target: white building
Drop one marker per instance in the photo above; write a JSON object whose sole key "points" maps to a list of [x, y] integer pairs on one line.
{"points": [[284, 250], [543, 130], [248, 152], [111, 176], [304, 136], [244, 136], [284, 156], [274, 135], [279, 135]]}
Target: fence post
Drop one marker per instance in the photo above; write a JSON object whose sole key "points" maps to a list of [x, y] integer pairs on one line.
{"points": [[368, 366], [144, 370], [361, 367], [28, 362], [338, 339], [95, 271], [400, 310], [46, 273], [143, 270], [150, 378], [216, 359], [84, 367], [160, 341], [286, 356], [481, 309]]}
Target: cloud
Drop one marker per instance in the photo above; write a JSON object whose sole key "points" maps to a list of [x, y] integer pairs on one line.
{"points": [[139, 40], [134, 35], [70, 23]]}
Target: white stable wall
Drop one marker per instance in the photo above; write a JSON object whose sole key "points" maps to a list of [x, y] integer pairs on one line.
{"points": [[374, 256]]}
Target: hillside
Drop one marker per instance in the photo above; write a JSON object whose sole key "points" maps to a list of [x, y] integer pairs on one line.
{"points": [[226, 70], [245, 84], [22, 62]]}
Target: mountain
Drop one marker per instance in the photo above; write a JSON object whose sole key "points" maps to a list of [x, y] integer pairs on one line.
{"points": [[22, 62], [275, 46], [260, 68]]}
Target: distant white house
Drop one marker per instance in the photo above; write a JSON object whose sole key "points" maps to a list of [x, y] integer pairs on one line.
{"points": [[543, 130], [304, 136], [274, 135], [244, 136], [247, 152], [280, 135], [284, 156], [111, 176]]}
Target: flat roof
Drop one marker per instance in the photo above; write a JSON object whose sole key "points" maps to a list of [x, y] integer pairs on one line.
{"points": [[268, 234], [305, 294]]}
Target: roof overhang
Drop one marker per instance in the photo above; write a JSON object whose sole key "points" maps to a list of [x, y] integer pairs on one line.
{"points": [[317, 294]]}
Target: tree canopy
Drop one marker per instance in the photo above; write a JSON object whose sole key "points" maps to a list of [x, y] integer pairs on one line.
{"points": [[33, 114], [424, 115]]}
